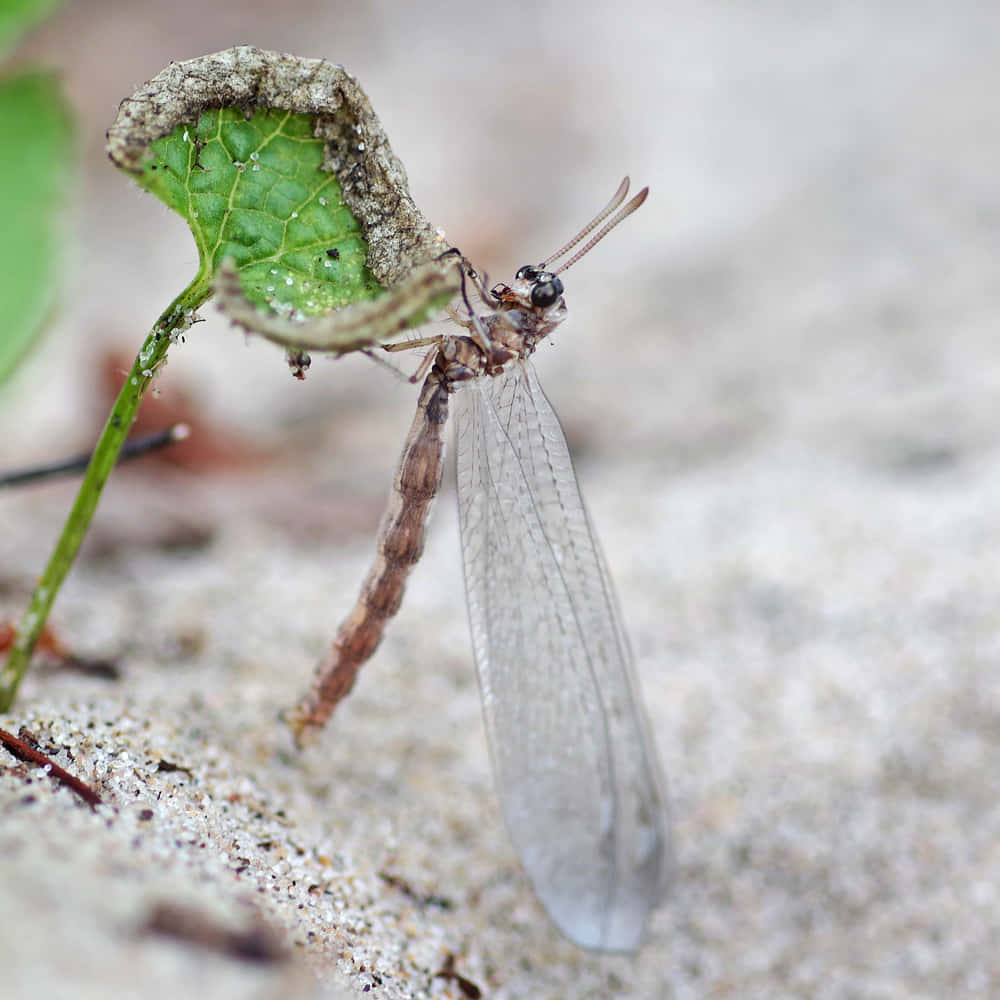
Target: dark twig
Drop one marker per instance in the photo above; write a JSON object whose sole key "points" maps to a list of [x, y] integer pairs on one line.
{"points": [[50, 643], [133, 448], [420, 898], [256, 942], [467, 986], [25, 752]]}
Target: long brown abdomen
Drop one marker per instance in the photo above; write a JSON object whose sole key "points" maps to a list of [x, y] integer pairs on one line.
{"points": [[400, 543]]}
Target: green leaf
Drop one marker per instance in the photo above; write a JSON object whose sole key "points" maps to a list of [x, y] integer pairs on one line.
{"points": [[257, 189], [295, 183], [253, 190], [34, 172], [17, 16]]}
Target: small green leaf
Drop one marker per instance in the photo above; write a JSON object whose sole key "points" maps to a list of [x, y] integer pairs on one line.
{"points": [[18, 16], [293, 181], [253, 190], [34, 173]]}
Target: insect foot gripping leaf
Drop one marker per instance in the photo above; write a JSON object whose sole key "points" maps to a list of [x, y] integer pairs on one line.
{"points": [[294, 197]]}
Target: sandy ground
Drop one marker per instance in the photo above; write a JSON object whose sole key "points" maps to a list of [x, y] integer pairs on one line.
{"points": [[780, 383]]}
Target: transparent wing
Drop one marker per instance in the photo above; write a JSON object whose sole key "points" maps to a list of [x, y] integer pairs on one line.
{"points": [[575, 768]]}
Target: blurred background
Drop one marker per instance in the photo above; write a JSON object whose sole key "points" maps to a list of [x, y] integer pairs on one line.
{"points": [[779, 381]]}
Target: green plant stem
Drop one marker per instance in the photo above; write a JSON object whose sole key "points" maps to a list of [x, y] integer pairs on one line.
{"points": [[175, 319]]}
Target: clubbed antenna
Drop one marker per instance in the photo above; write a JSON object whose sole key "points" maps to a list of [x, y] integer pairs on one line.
{"points": [[622, 213], [616, 200]]}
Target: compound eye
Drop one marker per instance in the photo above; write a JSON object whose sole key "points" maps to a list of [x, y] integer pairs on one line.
{"points": [[546, 293], [528, 273]]}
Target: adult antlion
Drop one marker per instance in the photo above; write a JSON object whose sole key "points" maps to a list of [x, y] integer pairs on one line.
{"points": [[575, 768]]}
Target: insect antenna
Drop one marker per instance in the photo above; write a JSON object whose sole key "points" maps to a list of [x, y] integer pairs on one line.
{"points": [[616, 199], [619, 216]]}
